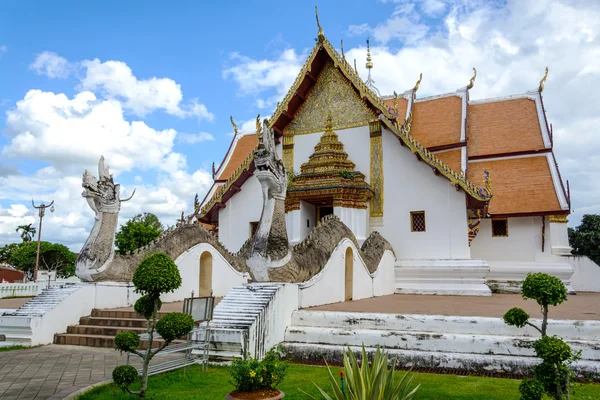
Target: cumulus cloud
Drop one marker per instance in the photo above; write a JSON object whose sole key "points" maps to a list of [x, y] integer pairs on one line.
{"points": [[254, 77], [191, 138], [510, 44], [52, 65]]}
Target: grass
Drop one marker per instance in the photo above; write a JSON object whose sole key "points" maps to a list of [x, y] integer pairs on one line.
{"points": [[215, 384], [16, 297], [13, 347]]}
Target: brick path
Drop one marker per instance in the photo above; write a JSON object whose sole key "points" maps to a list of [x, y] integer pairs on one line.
{"points": [[55, 371], [583, 306]]}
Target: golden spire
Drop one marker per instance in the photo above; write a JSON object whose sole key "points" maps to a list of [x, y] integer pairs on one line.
{"points": [[321, 33], [418, 82], [235, 128], [328, 122], [543, 81], [472, 81], [369, 61], [343, 55]]}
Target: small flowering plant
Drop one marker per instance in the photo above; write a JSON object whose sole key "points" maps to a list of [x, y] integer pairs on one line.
{"points": [[250, 375]]}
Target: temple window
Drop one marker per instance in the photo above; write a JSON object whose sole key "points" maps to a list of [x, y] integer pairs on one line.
{"points": [[499, 227], [253, 228], [417, 221]]}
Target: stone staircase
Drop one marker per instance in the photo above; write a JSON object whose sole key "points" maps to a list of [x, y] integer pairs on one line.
{"points": [[45, 301], [434, 341], [237, 318], [100, 329]]}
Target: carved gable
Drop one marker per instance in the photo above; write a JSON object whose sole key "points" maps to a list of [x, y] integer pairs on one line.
{"points": [[331, 93]]}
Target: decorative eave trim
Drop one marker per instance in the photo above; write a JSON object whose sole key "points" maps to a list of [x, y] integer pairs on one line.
{"points": [[562, 198], [403, 133], [440, 96], [508, 156], [447, 147], [529, 214]]}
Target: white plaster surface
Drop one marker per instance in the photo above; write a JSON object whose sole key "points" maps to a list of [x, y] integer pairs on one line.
{"points": [[586, 274], [241, 209]]}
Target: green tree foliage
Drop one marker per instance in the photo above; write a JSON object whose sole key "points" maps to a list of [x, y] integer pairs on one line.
{"points": [[250, 375], [53, 257], [553, 375], [373, 381], [156, 274], [138, 232], [585, 239], [27, 232], [7, 251]]}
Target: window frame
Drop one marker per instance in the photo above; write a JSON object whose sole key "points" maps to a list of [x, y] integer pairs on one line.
{"points": [[505, 223], [412, 223]]}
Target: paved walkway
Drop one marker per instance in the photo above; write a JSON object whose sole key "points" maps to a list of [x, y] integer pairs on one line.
{"points": [[583, 306], [55, 371]]}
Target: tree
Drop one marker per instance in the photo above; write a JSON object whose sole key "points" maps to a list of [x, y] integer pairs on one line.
{"points": [[552, 376], [138, 232], [27, 232], [155, 275], [585, 239], [7, 251], [53, 257]]}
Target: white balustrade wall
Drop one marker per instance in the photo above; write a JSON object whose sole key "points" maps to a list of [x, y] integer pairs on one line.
{"points": [[30, 288]]}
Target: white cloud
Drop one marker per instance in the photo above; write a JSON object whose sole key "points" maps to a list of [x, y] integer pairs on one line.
{"points": [[115, 79], [257, 76], [52, 65], [192, 138]]}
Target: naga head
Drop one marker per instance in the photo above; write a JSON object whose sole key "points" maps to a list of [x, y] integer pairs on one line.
{"points": [[268, 163], [102, 194]]}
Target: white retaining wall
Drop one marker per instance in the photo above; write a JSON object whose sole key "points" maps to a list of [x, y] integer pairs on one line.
{"points": [[586, 274]]}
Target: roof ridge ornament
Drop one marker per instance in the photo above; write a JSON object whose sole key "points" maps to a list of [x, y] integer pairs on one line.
{"points": [[355, 69], [543, 81], [472, 81], [321, 33], [235, 127], [370, 82], [342, 45], [258, 126], [418, 83]]}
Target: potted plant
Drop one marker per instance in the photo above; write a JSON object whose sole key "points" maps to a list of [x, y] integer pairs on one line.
{"points": [[257, 380]]}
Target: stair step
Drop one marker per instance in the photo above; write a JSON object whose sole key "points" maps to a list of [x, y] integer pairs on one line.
{"points": [[102, 330], [99, 340], [114, 322]]}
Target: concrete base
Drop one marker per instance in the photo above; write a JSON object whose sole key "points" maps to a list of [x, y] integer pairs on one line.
{"points": [[507, 276], [443, 277], [436, 341]]}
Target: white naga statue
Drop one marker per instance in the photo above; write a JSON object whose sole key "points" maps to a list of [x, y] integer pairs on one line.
{"points": [[103, 196]]}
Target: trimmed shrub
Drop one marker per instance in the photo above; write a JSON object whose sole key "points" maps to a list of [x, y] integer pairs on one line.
{"points": [[531, 389], [545, 289], [517, 317], [124, 376], [174, 325], [127, 341], [156, 274], [146, 304]]}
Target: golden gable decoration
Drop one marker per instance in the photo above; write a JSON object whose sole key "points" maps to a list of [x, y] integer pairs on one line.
{"points": [[333, 94]]}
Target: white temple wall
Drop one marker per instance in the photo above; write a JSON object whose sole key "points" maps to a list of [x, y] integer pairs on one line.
{"points": [[355, 219], [307, 219], [523, 243], [411, 185], [234, 220]]}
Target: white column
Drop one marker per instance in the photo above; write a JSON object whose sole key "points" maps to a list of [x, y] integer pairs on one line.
{"points": [[559, 236]]}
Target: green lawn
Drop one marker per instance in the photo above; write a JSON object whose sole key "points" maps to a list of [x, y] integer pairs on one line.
{"points": [[214, 384]]}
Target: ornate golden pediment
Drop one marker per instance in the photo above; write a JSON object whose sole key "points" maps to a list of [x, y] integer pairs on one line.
{"points": [[332, 93]]}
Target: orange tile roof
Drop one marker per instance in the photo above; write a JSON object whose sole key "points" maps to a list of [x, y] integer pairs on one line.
{"points": [[437, 122], [242, 150], [402, 103], [503, 127], [519, 185], [450, 157]]}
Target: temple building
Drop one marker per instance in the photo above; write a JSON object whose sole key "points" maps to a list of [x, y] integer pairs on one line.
{"points": [[467, 192]]}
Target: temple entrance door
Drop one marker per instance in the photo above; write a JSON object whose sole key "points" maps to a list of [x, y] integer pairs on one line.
{"points": [[348, 274], [323, 211], [206, 261]]}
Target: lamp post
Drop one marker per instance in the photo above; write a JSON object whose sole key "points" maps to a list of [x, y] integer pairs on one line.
{"points": [[42, 210]]}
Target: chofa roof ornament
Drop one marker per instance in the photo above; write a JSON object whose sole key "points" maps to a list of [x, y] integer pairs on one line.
{"points": [[543, 81], [472, 81], [321, 36]]}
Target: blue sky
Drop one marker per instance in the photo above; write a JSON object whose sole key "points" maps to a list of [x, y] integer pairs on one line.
{"points": [[166, 76]]}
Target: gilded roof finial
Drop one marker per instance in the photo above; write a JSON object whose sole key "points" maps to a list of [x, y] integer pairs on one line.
{"points": [[369, 60], [321, 33], [355, 69], [487, 182], [396, 102], [328, 122], [343, 55], [258, 125], [235, 128], [472, 81], [418, 82], [543, 81]]}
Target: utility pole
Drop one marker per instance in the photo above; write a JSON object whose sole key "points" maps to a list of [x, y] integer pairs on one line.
{"points": [[42, 211]]}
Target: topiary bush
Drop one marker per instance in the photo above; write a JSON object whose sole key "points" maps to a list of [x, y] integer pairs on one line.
{"points": [[250, 375], [155, 275], [553, 375]]}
